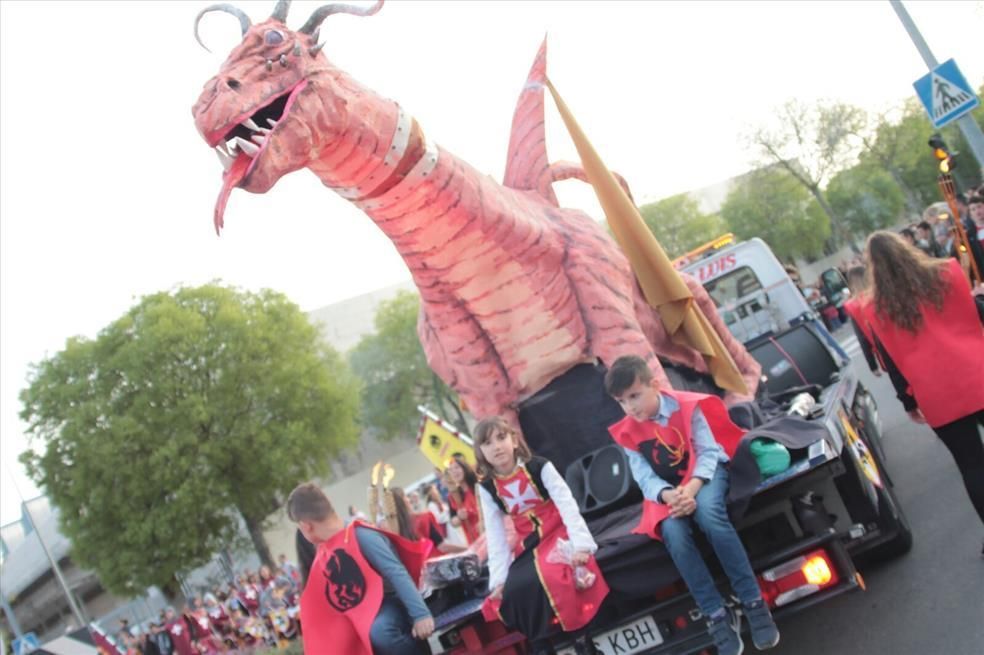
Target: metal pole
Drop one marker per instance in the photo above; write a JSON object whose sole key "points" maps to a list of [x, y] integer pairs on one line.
{"points": [[11, 618], [971, 130], [54, 565]]}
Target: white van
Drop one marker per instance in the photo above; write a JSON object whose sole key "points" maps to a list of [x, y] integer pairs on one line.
{"points": [[752, 291]]}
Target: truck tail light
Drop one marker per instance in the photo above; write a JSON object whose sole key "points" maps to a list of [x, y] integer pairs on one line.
{"points": [[799, 577]]}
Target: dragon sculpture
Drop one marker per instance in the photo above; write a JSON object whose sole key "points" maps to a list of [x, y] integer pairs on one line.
{"points": [[515, 290]]}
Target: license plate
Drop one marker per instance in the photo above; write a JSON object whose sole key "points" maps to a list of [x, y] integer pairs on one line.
{"points": [[630, 638]]}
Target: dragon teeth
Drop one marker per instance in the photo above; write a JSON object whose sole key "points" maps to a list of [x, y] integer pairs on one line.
{"points": [[251, 125], [249, 148], [272, 123], [231, 145], [259, 138], [224, 158]]}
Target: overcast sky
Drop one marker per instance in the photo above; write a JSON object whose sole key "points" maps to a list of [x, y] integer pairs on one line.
{"points": [[107, 190]]}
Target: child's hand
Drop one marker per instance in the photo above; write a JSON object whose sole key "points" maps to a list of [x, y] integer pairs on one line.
{"points": [[692, 487], [496, 593], [685, 505], [463, 514], [670, 496], [423, 628], [580, 558]]}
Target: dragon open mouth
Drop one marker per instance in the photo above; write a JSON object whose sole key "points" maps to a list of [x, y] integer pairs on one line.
{"points": [[239, 149]]}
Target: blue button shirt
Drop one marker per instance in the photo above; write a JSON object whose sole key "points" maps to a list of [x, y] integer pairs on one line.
{"points": [[708, 452]]}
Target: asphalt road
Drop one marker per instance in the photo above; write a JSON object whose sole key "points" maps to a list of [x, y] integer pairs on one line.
{"points": [[929, 602]]}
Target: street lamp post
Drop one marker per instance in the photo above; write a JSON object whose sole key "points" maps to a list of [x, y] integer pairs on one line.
{"points": [[54, 565]]}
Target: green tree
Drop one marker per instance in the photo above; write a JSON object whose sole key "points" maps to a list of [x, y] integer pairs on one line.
{"points": [[899, 146], [812, 142], [679, 225], [867, 198], [772, 204], [193, 409], [395, 375], [897, 142]]}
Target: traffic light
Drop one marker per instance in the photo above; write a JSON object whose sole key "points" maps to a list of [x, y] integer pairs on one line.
{"points": [[942, 153]]}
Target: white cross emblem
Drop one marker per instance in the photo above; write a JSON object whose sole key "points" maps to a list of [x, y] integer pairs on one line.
{"points": [[176, 629], [519, 496]]}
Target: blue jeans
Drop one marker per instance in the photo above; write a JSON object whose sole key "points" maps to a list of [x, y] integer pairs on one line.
{"points": [[712, 518], [390, 631]]}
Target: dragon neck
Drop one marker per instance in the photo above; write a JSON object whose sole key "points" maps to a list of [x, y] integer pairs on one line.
{"points": [[383, 164], [376, 146]]}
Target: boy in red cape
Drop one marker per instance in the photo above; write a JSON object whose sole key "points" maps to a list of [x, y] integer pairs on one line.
{"points": [[678, 445], [361, 596]]}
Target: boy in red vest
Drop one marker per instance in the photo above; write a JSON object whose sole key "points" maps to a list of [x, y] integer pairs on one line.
{"points": [[678, 445], [361, 596]]}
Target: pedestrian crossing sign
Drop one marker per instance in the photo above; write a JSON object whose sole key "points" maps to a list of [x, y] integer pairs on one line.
{"points": [[28, 643], [945, 93]]}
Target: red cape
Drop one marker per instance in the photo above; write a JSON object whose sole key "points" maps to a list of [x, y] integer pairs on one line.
{"points": [[630, 433], [343, 593]]}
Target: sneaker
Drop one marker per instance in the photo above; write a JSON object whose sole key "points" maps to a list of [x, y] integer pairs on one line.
{"points": [[726, 632], [765, 634]]}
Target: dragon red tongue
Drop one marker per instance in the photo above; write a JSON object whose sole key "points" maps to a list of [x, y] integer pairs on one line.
{"points": [[230, 180]]}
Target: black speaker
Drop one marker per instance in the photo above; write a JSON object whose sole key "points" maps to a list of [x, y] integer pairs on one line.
{"points": [[795, 357], [601, 481]]}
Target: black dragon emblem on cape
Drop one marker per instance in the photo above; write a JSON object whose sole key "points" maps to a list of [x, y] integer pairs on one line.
{"points": [[345, 585]]}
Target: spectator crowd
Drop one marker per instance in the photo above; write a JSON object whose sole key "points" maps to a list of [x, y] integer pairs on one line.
{"points": [[259, 610]]}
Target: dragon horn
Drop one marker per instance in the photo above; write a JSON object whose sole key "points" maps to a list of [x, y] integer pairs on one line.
{"points": [[244, 21], [323, 12], [280, 11]]}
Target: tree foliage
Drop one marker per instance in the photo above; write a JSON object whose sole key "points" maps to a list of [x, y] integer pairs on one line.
{"points": [[812, 142], [867, 198], [191, 408], [897, 144], [395, 375], [679, 225], [771, 204]]}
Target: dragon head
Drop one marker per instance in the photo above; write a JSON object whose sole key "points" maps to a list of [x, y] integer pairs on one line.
{"points": [[247, 112]]}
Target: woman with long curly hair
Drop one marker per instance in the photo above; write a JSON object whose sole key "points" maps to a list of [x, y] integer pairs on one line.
{"points": [[926, 326], [401, 519], [462, 499]]}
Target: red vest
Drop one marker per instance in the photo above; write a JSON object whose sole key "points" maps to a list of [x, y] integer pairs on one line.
{"points": [[630, 433], [944, 361], [343, 593], [470, 524], [523, 497], [424, 525]]}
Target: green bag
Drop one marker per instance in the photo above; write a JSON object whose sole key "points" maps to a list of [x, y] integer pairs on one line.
{"points": [[772, 457]]}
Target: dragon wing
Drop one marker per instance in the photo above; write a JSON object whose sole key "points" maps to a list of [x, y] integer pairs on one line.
{"points": [[527, 166]]}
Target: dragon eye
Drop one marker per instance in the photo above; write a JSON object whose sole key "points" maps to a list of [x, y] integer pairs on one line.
{"points": [[273, 37]]}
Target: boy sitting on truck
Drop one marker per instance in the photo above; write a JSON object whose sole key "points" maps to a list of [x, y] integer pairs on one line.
{"points": [[678, 447]]}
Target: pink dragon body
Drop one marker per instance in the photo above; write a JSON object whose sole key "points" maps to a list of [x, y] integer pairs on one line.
{"points": [[515, 290]]}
